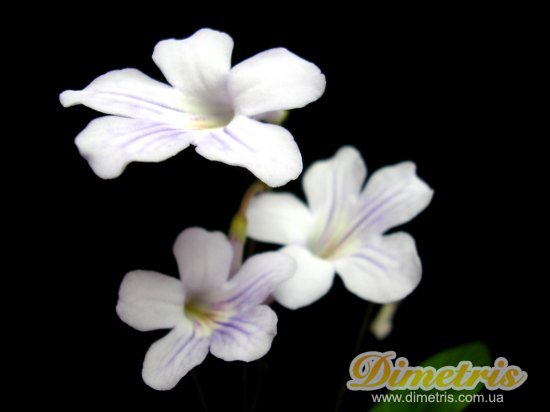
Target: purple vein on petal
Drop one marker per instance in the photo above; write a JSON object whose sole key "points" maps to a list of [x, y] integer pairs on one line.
{"points": [[180, 348], [334, 196], [370, 259], [220, 141], [383, 252], [380, 206], [237, 139], [231, 325], [239, 319], [148, 133], [140, 99], [224, 333], [369, 212], [171, 136], [377, 219], [247, 289]]}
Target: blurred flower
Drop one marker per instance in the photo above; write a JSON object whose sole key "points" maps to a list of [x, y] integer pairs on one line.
{"points": [[206, 310], [210, 105], [382, 325], [343, 230]]}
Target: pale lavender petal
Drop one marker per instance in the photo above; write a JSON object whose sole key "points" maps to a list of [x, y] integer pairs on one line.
{"points": [[279, 218], [267, 150], [393, 196], [198, 66], [204, 259], [385, 269], [170, 358], [109, 143], [247, 336], [130, 93], [150, 300], [312, 280], [274, 80], [332, 183], [332, 189], [256, 280]]}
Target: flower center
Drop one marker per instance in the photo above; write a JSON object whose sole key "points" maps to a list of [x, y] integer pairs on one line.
{"points": [[333, 241], [208, 121], [204, 316], [200, 115]]}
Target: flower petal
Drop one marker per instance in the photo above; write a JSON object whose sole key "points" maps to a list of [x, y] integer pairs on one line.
{"points": [[170, 358], [267, 150], [130, 93], [204, 259], [257, 279], [312, 280], [150, 300], [385, 269], [332, 189], [109, 143], [198, 65], [334, 183], [393, 195], [278, 218], [247, 336], [273, 80]]}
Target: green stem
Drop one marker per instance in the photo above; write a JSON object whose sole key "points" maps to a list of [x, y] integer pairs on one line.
{"points": [[358, 342], [245, 381], [237, 229], [364, 328], [261, 367], [199, 390], [253, 190]]}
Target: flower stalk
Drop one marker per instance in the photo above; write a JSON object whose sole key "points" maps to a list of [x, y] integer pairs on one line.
{"points": [[239, 223]]}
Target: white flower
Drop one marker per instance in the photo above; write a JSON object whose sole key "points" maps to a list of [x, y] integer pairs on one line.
{"points": [[210, 105], [343, 230], [206, 310]]}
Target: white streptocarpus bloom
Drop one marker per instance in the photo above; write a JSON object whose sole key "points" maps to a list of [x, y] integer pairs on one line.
{"points": [[206, 309], [209, 104], [343, 230]]}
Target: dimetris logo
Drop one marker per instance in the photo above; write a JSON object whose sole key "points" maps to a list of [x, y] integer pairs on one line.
{"points": [[375, 370]]}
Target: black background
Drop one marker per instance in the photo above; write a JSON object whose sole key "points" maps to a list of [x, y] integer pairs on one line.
{"points": [[443, 88]]}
